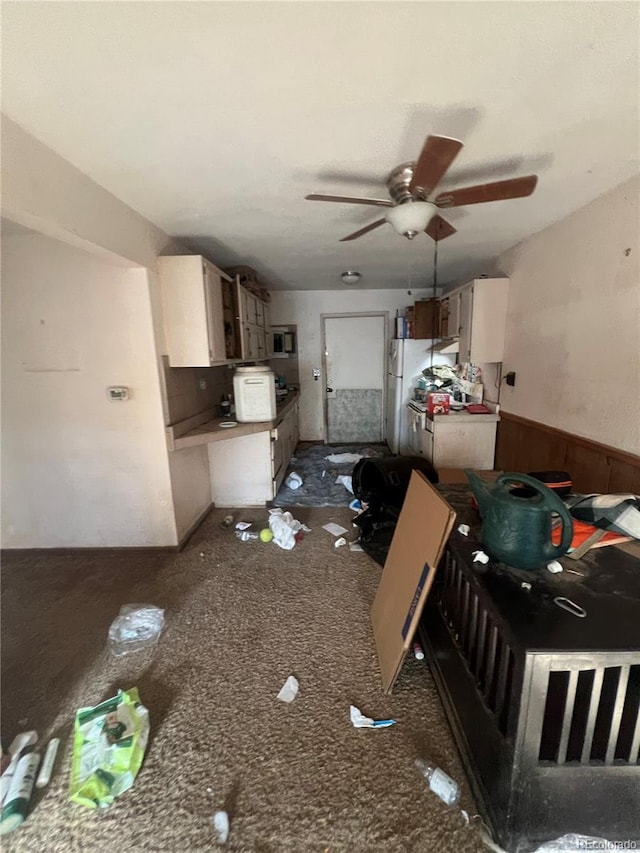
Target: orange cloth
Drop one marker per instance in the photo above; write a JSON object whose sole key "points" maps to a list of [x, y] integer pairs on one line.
{"points": [[582, 531]]}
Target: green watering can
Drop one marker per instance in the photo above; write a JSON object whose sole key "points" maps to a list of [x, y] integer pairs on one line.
{"points": [[516, 525]]}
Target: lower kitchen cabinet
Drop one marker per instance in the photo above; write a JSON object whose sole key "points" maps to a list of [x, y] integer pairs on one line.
{"points": [[460, 440], [249, 470]]}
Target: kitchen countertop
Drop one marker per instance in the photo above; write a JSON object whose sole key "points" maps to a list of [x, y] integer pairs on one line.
{"points": [[204, 427], [464, 416]]}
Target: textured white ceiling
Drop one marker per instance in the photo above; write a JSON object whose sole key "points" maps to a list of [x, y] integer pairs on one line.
{"points": [[215, 119]]}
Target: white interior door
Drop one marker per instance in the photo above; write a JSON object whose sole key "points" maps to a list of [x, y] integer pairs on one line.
{"points": [[355, 372]]}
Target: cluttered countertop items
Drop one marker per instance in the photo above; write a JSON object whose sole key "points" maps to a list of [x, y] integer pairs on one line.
{"points": [[453, 390]]}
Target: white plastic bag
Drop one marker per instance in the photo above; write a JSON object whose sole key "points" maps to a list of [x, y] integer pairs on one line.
{"points": [[346, 480], [284, 528], [138, 626]]}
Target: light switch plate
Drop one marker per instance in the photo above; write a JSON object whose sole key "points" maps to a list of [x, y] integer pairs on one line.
{"points": [[118, 392]]}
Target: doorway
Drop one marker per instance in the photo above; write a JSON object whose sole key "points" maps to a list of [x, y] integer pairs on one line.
{"points": [[354, 347]]}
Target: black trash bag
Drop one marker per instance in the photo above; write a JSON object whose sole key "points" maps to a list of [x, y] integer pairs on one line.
{"points": [[382, 484], [386, 480], [377, 525]]}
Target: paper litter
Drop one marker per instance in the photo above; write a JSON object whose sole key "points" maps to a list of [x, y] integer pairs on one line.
{"points": [[344, 457], [554, 567], [220, 822], [334, 529], [339, 542], [480, 557], [464, 529], [359, 721], [289, 690]]}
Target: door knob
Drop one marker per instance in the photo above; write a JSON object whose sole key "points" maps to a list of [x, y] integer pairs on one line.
{"points": [[329, 390]]}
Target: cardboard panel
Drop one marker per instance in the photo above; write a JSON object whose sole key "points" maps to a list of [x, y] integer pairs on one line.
{"points": [[421, 533]]}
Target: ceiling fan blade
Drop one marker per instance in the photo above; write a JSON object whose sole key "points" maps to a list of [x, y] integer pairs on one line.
{"points": [[438, 153], [497, 191], [439, 228], [364, 230], [377, 202]]}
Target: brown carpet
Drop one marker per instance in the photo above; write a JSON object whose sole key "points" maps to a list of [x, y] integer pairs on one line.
{"points": [[241, 617]]}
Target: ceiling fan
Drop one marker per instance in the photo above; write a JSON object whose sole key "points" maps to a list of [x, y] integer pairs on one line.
{"points": [[411, 184]]}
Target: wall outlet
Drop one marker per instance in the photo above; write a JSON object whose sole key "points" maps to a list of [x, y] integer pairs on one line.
{"points": [[510, 378]]}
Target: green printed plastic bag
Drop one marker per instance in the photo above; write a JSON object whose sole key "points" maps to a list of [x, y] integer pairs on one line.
{"points": [[108, 747]]}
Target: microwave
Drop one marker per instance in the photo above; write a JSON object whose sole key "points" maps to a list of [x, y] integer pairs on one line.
{"points": [[284, 342]]}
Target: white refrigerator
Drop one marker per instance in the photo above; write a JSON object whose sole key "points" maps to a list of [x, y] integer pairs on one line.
{"points": [[407, 359]]}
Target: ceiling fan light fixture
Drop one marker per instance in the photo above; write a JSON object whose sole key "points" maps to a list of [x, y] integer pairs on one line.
{"points": [[350, 277], [411, 218]]}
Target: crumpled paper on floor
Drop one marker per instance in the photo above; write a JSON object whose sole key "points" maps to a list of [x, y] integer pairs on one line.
{"points": [[220, 822], [289, 690], [284, 528], [359, 720], [109, 742]]}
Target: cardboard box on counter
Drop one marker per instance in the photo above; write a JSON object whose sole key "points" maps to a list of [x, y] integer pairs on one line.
{"points": [[438, 403]]}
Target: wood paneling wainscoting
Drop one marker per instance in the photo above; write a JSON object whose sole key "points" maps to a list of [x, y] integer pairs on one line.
{"points": [[524, 445]]}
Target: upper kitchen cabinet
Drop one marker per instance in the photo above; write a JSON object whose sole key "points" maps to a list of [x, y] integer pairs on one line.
{"points": [[477, 315], [193, 310], [209, 317], [254, 324]]}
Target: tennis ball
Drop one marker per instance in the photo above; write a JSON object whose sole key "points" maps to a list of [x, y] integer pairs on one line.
{"points": [[266, 535]]}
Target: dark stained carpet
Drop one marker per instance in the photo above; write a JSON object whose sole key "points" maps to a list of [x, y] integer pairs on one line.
{"points": [[241, 617], [319, 474]]}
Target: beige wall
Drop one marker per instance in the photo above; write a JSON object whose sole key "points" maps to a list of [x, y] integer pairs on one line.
{"points": [[573, 324], [78, 469], [191, 485], [44, 192], [303, 308]]}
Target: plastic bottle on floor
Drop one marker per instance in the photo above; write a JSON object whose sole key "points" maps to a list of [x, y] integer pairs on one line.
{"points": [[442, 785]]}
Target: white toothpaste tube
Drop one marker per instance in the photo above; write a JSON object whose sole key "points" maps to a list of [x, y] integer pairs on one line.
{"points": [[16, 805], [47, 764]]}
